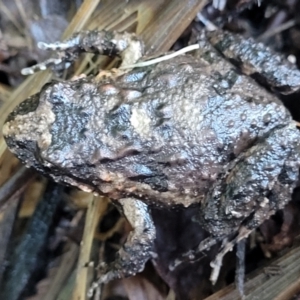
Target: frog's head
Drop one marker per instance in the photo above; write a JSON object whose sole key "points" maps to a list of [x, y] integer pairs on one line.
{"points": [[26, 129], [70, 131]]}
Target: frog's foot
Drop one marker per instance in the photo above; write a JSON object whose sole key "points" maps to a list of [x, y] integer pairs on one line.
{"points": [[109, 74], [131, 258], [78, 77], [193, 255], [226, 247], [53, 63], [206, 244], [110, 43]]}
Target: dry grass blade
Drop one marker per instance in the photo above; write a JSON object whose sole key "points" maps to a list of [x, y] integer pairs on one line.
{"points": [[139, 288], [170, 23], [290, 292], [49, 288], [10, 16], [96, 209], [261, 285], [8, 164], [7, 220], [82, 16], [24, 18], [274, 31], [31, 197], [16, 183], [5, 92]]}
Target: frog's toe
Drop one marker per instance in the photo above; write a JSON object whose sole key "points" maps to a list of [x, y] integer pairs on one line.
{"points": [[49, 63], [227, 246], [56, 46]]}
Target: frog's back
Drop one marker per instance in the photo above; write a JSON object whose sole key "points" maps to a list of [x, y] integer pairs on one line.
{"points": [[189, 122], [163, 133]]}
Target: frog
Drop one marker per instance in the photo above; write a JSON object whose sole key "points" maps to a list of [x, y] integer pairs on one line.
{"points": [[194, 130]]}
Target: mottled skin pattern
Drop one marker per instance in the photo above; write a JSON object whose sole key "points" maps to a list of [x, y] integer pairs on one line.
{"points": [[185, 131]]}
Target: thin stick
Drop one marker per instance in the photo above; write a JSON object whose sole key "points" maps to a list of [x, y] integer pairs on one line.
{"points": [[162, 58]]}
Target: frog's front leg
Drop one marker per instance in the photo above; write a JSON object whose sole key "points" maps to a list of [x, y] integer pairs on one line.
{"points": [[137, 250], [110, 43]]}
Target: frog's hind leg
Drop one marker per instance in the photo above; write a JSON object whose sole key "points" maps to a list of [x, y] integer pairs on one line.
{"points": [[257, 60], [110, 43], [137, 250], [255, 185]]}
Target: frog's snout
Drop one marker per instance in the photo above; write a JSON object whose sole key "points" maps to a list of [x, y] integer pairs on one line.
{"points": [[28, 126], [25, 107], [17, 121]]}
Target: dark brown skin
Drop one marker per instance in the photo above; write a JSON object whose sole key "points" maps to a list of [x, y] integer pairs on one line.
{"points": [[189, 130]]}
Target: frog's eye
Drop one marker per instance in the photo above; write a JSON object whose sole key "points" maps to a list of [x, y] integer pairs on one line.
{"points": [[56, 99], [47, 85], [25, 107], [124, 137], [84, 114]]}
